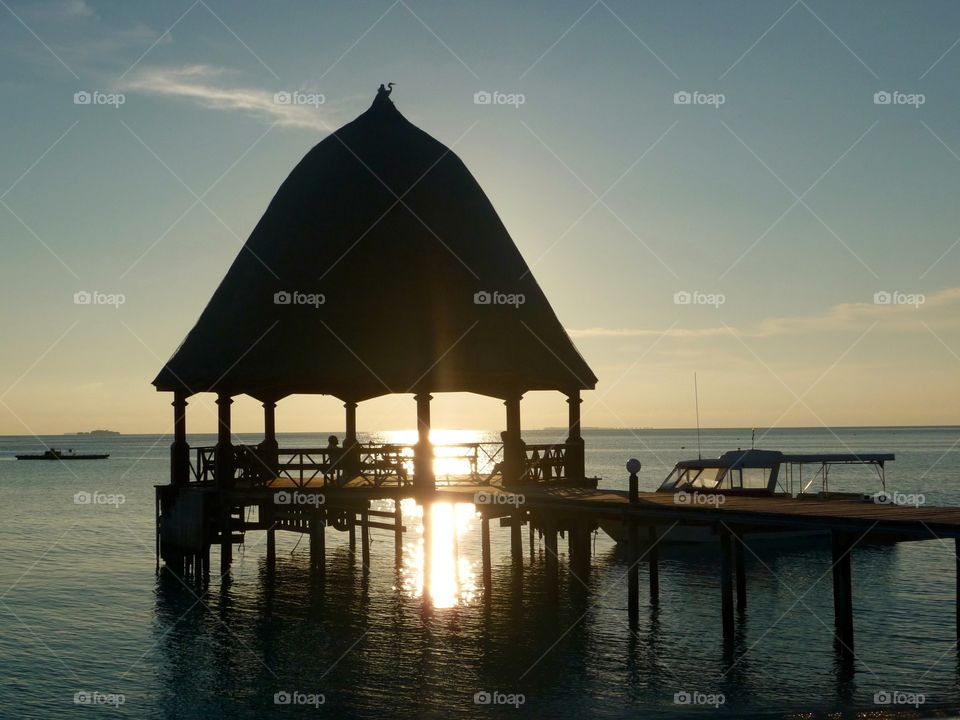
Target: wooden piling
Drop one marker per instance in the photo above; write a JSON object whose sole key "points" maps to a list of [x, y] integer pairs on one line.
{"points": [[633, 572], [741, 572], [956, 553], [352, 530], [550, 553], [726, 584], [365, 540], [397, 533], [516, 539], [843, 593], [653, 560], [318, 543], [533, 542], [485, 553]]}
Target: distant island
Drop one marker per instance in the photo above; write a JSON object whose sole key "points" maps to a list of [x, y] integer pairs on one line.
{"points": [[95, 432]]}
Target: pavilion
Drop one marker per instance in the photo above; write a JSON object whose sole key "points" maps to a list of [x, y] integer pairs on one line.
{"points": [[379, 267]]}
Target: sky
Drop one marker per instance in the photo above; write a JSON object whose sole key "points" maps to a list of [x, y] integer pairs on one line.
{"points": [[762, 193]]}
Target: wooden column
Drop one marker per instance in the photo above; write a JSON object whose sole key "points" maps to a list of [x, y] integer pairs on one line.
{"points": [[271, 546], [533, 543], [726, 584], [351, 447], [224, 451], [485, 553], [352, 530], [843, 593], [574, 463], [179, 450], [269, 447], [423, 477], [224, 479], [514, 456]]}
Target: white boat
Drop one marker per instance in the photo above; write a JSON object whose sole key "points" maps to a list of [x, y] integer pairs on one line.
{"points": [[758, 473]]}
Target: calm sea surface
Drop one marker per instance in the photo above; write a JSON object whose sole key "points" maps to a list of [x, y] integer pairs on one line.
{"points": [[82, 609]]}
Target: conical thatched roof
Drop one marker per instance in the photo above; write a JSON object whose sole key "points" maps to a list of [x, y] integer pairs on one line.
{"points": [[398, 280]]}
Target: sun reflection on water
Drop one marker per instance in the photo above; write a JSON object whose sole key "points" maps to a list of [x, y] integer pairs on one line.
{"points": [[450, 577]]}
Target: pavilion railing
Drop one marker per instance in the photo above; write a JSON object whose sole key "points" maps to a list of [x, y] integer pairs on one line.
{"points": [[374, 464], [546, 463]]}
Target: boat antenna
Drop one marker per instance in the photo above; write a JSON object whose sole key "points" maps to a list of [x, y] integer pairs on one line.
{"points": [[753, 436], [696, 401]]}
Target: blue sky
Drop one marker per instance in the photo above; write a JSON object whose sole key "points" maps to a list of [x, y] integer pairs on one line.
{"points": [[797, 199]]}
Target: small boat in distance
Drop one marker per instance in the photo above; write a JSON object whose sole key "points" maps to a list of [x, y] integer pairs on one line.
{"points": [[53, 454], [757, 473]]}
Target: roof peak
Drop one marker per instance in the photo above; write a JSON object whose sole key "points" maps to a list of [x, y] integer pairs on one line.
{"points": [[382, 100]]}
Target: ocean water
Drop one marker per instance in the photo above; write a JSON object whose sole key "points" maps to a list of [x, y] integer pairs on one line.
{"points": [[82, 608]]}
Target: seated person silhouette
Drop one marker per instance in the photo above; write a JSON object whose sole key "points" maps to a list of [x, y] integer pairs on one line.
{"points": [[334, 454]]}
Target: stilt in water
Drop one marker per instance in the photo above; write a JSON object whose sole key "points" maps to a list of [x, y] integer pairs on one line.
{"points": [[741, 570], [485, 553], [633, 573], [365, 540], [726, 584], [533, 549], [550, 553], [397, 533], [516, 539], [653, 557], [352, 530], [318, 543], [842, 594]]}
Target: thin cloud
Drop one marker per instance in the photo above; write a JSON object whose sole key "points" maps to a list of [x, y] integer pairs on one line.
{"points": [[209, 87], [846, 316]]}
